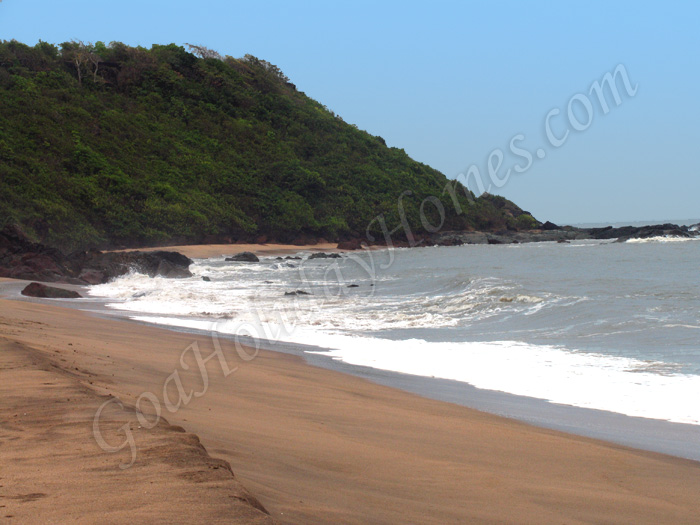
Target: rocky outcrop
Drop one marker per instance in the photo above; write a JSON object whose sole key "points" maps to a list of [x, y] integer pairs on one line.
{"points": [[550, 226], [109, 265], [50, 292], [640, 232], [243, 257], [20, 258], [322, 255]]}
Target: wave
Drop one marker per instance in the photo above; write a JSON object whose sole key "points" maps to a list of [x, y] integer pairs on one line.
{"points": [[446, 299], [661, 238], [235, 290], [634, 387]]}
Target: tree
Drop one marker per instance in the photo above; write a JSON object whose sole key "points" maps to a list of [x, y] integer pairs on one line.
{"points": [[80, 55], [203, 52]]}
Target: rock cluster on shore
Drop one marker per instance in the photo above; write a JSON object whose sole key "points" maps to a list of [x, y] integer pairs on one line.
{"points": [[548, 232], [21, 258]]}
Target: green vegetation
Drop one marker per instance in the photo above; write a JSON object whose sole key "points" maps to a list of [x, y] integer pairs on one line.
{"points": [[109, 145]]}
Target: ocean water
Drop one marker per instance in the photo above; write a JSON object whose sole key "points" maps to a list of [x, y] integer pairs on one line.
{"points": [[591, 324]]}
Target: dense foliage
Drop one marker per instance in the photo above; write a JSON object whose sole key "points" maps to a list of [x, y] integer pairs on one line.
{"points": [[116, 145]]}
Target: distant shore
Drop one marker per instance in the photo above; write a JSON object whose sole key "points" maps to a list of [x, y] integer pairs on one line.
{"points": [[313, 445]]}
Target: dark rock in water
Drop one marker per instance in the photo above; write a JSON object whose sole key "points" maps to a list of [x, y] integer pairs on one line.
{"points": [[171, 271], [138, 295], [205, 278], [625, 233], [548, 226], [243, 257], [49, 292], [563, 241], [322, 255], [297, 292], [293, 258], [353, 285], [159, 263]]}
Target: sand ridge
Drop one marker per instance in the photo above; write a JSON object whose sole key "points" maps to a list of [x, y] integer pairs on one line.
{"points": [[52, 469]]}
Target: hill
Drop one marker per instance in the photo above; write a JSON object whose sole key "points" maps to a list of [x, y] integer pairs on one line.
{"points": [[111, 145]]}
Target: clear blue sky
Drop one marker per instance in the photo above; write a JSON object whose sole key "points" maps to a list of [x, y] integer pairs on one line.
{"points": [[451, 81]]}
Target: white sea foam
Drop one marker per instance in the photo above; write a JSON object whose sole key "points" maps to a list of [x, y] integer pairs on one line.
{"points": [[235, 291], [471, 292], [661, 238], [624, 385], [618, 384]]}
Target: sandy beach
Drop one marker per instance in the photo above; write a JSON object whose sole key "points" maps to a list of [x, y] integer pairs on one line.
{"points": [[312, 445]]}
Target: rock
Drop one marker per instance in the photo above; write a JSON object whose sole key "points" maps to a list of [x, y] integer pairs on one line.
{"points": [[353, 285], [293, 258], [21, 258], [322, 255], [50, 292], [92, 276], [158, 263], [563, 241], [172, 271], [297, 292], [205, 278], [243, 257], [550, 226]]}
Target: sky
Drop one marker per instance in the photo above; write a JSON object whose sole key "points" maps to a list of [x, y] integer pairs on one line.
{"points": [[453, 83]]}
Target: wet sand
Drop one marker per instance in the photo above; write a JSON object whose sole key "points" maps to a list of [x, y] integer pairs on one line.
{"points": [[313, 445]]}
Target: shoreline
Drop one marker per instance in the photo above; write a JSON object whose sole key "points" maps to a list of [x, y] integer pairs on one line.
{"points": [[680, 440], [293, 431], [648, 434]]}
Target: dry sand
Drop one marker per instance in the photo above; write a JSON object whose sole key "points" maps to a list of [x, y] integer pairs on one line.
{"points": [[313, 445]]}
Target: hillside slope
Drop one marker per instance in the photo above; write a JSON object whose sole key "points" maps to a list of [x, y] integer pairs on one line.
{"points": [[120, 146]]}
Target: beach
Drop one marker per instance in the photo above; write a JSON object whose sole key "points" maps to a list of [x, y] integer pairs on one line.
{"points": [[312, 445]]}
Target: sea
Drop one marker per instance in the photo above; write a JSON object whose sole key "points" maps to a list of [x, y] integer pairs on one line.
{"points": [[596, 337]]}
